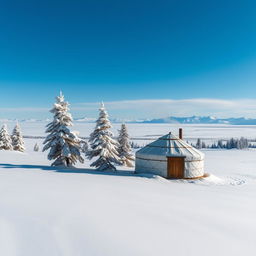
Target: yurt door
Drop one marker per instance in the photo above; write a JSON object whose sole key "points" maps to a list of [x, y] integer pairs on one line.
{"points": [[175, 167]]}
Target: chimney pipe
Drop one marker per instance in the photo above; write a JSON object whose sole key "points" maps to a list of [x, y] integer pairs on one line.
{"points": [[180, 134]]}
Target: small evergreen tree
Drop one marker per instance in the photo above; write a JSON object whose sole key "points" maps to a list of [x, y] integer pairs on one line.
{"points": [[124, 148], [5, 139], [242, 143], [135, 145], [199, 144], [220, 144], [17, 139], [36, 147], [103, 146], [64, 145], [214, 146]]}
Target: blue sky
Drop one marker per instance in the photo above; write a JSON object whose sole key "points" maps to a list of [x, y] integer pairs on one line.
{"points": [[143, 58]]}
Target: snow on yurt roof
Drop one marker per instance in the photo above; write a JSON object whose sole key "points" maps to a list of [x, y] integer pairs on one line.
{"points": [[169, 145]]}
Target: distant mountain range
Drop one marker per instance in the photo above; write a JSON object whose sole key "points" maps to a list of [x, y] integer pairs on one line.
{"points": [[202, 120], [167, 120]]}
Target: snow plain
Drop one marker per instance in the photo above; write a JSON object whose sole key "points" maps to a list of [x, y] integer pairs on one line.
{"points": [[212, 131], [46, 211]]}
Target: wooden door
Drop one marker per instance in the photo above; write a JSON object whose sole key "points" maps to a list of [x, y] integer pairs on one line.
{"points": [[175, 167]]}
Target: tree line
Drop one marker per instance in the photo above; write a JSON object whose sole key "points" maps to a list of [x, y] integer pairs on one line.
{"points": [[65, 147], [233, 143], [11, 142]]}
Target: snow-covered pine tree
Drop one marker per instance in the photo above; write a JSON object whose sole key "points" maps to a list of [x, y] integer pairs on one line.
{"points": [[64, 145], [102, 144], [17, 139], [36, 147], [124, 148], [5, 139]]}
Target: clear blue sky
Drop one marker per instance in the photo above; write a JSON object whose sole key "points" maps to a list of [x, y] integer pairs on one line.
{"points": [[125, 50]]}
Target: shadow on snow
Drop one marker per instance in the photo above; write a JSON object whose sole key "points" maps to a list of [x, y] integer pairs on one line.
{"points": [[76, 170]]}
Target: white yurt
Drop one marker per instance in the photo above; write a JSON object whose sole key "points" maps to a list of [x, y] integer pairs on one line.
{"points": [[170, 157]]}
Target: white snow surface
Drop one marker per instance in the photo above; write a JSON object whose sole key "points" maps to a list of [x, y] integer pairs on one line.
{"points": [[46, 211], [213, 131]]}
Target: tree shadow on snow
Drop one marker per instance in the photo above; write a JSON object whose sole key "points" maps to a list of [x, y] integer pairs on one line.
{"points": [[76, 170]]}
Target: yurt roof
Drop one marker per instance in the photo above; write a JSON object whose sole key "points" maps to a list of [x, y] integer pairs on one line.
{"points": [[169, 145]]}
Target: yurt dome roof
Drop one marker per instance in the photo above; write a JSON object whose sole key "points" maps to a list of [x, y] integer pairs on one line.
{"points": [[172, 146]]}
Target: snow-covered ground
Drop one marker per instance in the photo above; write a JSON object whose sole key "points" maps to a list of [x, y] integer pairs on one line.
{"points": [[48, 211], [151, 130]]}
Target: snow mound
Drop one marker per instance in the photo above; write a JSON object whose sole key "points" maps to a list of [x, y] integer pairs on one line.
{"points": [[211, 179], [235, 181]]}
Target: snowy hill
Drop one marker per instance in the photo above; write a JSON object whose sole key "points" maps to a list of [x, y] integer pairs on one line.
{"points": [[203, 120], [167, 120], [181, 120]]}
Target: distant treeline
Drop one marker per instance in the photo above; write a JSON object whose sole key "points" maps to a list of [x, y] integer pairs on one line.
{"points": [[241, 143], [232, 143], [135, 145]]}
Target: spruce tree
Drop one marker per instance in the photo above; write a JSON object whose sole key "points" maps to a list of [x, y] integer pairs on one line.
{"points": [[64, 145], [17, 139], [199, 144], [124, 149], [36, 147], [5, 139], [103, 146], [220, 144]]}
